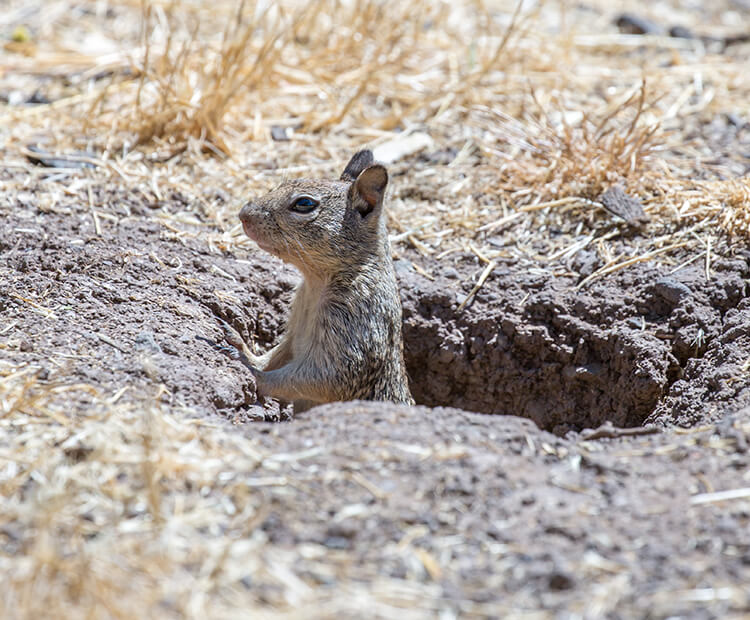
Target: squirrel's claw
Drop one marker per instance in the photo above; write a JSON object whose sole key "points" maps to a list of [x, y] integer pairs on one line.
{"points": [[231, 335], [233, 352]]}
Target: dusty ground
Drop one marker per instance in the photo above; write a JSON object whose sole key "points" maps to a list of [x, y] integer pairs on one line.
{"points": [[371, 507], [580, 444]]}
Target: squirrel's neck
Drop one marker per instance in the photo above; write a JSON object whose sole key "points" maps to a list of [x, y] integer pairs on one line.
{"points": [[313, 281], [373, 262]]}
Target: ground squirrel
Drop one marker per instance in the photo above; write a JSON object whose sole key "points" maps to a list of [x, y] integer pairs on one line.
{"points": [[343, 340]]}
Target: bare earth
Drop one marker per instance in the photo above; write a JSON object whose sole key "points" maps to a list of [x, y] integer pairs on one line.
{"points": [[362, 506]]}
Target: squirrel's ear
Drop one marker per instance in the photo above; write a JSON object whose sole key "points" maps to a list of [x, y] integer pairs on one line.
{"points": [[369, 188], [359, 161]]}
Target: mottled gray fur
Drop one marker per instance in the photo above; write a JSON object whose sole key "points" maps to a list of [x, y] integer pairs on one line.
{"points": [[343, 340]]}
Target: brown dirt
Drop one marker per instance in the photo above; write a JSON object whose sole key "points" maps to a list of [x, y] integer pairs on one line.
{"points": [[644, 344], [469, 514]]}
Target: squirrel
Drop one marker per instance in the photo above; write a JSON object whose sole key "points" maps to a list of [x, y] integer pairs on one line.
{"points": [[343, 338]]}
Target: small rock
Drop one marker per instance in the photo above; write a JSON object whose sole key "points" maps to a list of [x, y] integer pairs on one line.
{"points": [[624, 206], [345, 529], [279, 133], [633, 24], [38, 98], [585, 262], [671, 291], [77, 452], [561, 581], [146, 341], [226, 394], [337, 542], [16, 97], [588, 372], [402, 266], [680, 32], [401, 146], [440, 157], [735, 119]]}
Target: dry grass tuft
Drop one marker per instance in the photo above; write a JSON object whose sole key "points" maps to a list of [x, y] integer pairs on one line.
{"points": [[100, 512], [556, 152], [197, 72], [735, 195], [363, 62], [186, 83]]}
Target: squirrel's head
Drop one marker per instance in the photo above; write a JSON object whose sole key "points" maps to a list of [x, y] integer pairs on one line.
{"points": [[321, 226]]}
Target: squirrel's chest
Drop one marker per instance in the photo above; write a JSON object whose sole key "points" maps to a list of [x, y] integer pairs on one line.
{"points": [[305, 321]]}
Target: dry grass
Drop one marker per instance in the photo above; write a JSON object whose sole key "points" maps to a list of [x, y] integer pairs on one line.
{"points": [[731, 199], [530, 108], [119, 507], [343, 55], [133, 508], [104, 525], [186, 84], [559, 153]]}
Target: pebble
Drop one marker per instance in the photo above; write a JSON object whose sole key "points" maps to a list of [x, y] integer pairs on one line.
{"points": [[672, 291]]}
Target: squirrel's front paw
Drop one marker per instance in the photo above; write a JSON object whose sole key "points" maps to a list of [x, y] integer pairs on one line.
{"points": [[261, 385]]}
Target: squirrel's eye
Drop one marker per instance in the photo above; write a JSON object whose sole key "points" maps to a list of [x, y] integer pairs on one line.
{"points": [[305, 204]]}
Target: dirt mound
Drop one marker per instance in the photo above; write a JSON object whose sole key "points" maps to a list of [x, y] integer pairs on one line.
{"points": [[133, 306]]}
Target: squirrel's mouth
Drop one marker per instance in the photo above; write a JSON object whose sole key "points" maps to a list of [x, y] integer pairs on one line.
{"points": [[259, 241]]}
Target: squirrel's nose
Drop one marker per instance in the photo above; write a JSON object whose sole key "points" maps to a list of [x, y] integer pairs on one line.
{"points": [[245, 213], [249, 219]]}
